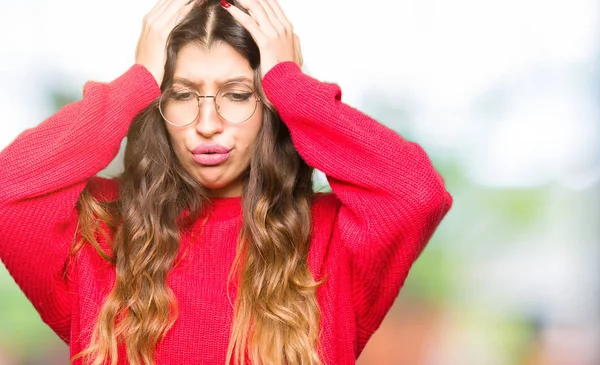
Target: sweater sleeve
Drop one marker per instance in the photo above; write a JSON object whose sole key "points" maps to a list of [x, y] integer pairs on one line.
{"points": [[391, 198], [43, 173]]}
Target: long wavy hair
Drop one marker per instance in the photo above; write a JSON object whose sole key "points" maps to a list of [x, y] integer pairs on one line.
{"points": [[276, 313]]}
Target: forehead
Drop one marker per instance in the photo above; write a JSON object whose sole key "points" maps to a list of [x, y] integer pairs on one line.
{"points": [[211, 66]]}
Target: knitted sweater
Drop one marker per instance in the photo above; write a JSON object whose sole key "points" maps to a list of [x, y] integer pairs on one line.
{"points": [[387, 200]]}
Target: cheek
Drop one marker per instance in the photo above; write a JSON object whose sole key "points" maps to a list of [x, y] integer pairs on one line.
{"points": [[249, 133], [177, 141]]}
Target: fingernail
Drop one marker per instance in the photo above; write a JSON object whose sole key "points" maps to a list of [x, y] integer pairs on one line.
{"points": [[225, 4]]}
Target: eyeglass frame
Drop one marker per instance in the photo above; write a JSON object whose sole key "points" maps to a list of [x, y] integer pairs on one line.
{"points": [[198, 97]]}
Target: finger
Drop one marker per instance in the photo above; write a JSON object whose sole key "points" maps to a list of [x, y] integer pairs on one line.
{"points": [[274, 4], [158, 9], [183, 12], [157, 6], [168, 11], [174, 7], [277, 24], [247, 22], [258, 13]]}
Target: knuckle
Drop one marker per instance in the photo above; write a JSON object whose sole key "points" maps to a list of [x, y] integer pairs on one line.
{"points": [[164, 34], [280, 29], [264, 42], [159, 31], [272, 35], [151, 26]]}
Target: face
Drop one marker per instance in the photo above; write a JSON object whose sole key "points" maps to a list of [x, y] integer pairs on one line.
{"points": [[211, 149]]}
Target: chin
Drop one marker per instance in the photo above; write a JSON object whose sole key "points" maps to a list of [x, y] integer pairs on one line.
{"points": [[212, 184], [222, 188]]}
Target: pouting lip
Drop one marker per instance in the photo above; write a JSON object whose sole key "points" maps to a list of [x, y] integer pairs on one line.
{"points": [[210, 148]]}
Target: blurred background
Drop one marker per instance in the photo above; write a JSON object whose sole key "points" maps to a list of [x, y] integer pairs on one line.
{"points": [[503, 95]]}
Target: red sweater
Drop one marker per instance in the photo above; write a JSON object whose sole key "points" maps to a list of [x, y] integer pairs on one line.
{"points": [[387, 201]]}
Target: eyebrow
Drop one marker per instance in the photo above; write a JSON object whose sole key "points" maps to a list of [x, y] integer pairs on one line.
{"points": [[195, 84]]}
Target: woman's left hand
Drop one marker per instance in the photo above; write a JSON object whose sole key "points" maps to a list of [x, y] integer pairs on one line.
{"points": [[271, 30]]}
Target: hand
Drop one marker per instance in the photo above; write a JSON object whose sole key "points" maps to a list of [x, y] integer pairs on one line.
{"points": [[271, 30], [158, 24]]}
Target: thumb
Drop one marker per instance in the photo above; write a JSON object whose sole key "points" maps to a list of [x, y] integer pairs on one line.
{"points": [[298, 49]]}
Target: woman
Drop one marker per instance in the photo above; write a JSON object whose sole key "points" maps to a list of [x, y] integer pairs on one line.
{"points": [[212, 248]]}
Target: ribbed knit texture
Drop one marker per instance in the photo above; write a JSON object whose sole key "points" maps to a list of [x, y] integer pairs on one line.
{"points": [[387, 201]]}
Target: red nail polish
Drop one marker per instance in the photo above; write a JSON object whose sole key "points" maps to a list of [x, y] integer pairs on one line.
{"points": [[225, 4]]}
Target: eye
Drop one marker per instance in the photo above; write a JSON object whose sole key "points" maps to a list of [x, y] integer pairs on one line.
{"points": [[182, 95], [238, 96]]}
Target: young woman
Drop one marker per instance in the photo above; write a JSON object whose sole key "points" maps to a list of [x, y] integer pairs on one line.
{"points": [[212, 247]]}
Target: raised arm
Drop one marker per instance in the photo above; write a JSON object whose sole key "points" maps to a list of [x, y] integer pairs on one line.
{"points": [[46, 168], [390, 197], [43, 172]]}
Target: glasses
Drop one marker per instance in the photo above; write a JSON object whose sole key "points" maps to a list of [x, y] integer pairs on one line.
{"points": [[235, 102]]}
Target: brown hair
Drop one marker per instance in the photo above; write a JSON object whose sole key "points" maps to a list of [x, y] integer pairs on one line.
{"points": [[276, 302]]}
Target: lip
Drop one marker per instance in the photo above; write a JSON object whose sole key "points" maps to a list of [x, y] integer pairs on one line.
{"points": [[210, 148], [210, 155]]}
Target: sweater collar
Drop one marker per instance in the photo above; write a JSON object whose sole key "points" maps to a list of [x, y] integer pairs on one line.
{"points": [[224, 208]]}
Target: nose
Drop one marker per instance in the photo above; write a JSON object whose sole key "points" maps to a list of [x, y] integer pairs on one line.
{"points": [[209, 122]]}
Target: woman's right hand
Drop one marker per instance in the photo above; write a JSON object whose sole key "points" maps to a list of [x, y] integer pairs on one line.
{"points": [[157, 25]]}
